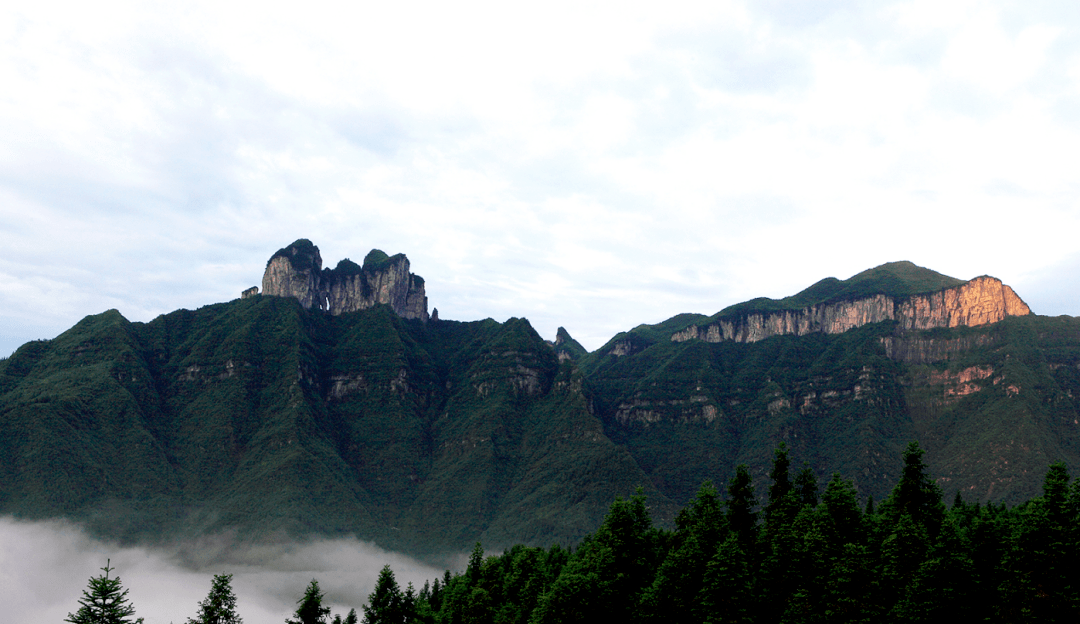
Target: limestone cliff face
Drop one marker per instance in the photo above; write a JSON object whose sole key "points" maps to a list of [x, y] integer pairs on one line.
{"points": [[296, 271], [980, 301]]}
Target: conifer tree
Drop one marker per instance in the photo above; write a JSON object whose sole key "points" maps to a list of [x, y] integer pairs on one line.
{"points": [[781, 482], [104, 602], [219, 607], [385, 601], [741, 503], [309, 609], [806, 486], [916, 495]]}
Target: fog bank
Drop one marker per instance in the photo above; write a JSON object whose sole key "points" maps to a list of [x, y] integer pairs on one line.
{"points": [[45, 566]]}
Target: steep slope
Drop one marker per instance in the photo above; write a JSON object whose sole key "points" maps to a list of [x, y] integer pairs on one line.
{"points": [[846, 372], [273, 414], [260, 416]]}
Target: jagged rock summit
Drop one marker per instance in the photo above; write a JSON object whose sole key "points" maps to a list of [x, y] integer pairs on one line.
{"points": [[297, 271], [916, 297]]}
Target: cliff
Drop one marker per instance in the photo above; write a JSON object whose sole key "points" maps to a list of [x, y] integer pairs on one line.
{"points": [[980, 301], [296, 271]]}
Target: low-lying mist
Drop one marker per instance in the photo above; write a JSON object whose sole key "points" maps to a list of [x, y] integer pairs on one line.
{"points": [[45, 566]]}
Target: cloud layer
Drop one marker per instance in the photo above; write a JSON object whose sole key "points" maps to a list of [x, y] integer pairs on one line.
{"points": [[589, 166], [45, 566]]}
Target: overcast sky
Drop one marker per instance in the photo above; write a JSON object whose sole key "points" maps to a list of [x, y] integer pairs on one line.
{"points": [[590, 165]]}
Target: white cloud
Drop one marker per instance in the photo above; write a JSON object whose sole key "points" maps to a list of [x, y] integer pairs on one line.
{"points": [[592, 166]]}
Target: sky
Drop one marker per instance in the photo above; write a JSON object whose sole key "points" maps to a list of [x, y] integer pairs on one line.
{"points": [[48, 565], [588, 165]]}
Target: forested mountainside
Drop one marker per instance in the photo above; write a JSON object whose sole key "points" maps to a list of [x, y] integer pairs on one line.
{"points": [[263, 415]]}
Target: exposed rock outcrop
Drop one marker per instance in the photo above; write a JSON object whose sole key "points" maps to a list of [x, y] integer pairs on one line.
{"points": [[980, 301], [296, 271]]}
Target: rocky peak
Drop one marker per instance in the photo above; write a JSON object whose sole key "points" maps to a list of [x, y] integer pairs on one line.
{"points": [[296, 271], [566, 348]]}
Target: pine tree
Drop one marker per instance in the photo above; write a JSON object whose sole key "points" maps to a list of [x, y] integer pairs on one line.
{"points": [[104, 602], [806, 486], [385, 602], [741, 503], [309, 609], [916, 495], [219, 607], [781, 485]]}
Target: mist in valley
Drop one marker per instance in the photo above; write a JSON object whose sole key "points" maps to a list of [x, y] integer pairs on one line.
{"points": [[45, 566]]}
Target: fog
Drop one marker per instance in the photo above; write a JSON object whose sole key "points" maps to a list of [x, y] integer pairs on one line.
{"points": [[45, 566]]}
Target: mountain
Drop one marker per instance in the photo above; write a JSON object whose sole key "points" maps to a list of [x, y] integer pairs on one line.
{"points": [[333, 404], [846, 373]]}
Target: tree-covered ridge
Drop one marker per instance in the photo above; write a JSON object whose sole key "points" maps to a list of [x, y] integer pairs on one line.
{"points": [[260, 416], [893, 279], [791, 552], [802, 555]]}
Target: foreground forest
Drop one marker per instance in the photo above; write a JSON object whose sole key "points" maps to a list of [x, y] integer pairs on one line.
{"points": [[800, 553]]}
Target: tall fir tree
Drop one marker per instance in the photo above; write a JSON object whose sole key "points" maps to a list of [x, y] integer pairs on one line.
{"points": [[219, 606], [104, 602], [309, 609], [741, 504], [384, 603]]}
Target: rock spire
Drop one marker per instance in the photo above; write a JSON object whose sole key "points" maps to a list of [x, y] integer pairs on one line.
{"points": [[296, 271]]}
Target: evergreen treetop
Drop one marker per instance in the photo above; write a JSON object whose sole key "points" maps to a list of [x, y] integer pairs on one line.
{"points": [[104, 602]]}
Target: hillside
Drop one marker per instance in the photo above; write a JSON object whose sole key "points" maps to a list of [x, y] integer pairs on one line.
{"points": [[260, 415], [263, 415]]}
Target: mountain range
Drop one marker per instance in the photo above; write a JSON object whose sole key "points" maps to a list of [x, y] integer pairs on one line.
{"points": [[333, 403]]}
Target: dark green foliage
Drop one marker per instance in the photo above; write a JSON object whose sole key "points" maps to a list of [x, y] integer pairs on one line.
{"points": [[259, 416], [895, 279], [741, 504], [219, 606], [827, 562], [916, 496], [104, 602], [302, 254], [609, 573], [386, 604], [567, 347], [262, 417], [310, 609], [727, 595]]}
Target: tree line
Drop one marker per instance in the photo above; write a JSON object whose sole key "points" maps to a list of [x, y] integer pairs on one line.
{"points": [[802, 554]]}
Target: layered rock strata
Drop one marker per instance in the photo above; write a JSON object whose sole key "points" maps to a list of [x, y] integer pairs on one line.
{"points": [[296, 271], [980, 301]]}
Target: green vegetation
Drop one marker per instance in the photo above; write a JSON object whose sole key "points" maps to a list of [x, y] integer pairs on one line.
{"points": [[104, 602], [377, 260], [911, 560], [261, 417], [309, 609], [219, 607], [894, 279], [302, 254], [800, 555], [347, 267], [567, 347]]}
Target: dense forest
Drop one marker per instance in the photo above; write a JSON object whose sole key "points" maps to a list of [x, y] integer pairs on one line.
{"points": [[800, 553]]}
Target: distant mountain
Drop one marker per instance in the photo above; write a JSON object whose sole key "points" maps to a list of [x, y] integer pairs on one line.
{"points": [[333, 404]]}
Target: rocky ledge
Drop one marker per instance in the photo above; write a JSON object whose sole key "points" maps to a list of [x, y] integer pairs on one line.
{"points": [[296, 271], [980, 301]]}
